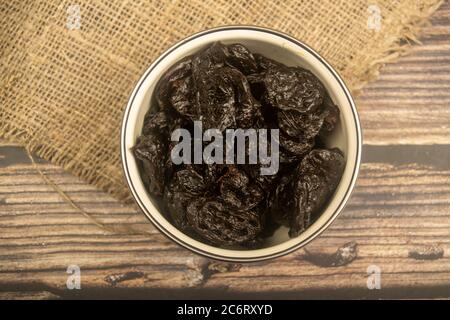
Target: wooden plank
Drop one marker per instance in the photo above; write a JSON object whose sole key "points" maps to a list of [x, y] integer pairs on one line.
{"points": [[399, 208], [409, 102], [39, 295]]}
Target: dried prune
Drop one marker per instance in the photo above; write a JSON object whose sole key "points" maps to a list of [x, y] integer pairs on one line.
{"points": [[256, 80], [257, 86], [237, 191], [281, 201], [213, 172], [154, 122], [295, 146], [234, 205], [331, 117], [265, 182], [298, 125], [289, 158], [218, 55], [176, 90], [216, 223], [185, 186], [316, 179], [225, 100], [183, 99], [151, 150], [176, 202], [209, 58], [190, 181], [293, 88], [241, 58]]}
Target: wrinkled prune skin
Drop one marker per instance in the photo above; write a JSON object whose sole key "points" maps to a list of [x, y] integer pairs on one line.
{"points": [[225, 100], [158, 121], [214, 222], [183, 99], [300, 196], [287, 157], [256, 80], [229, 205], [316, 179], [330, 118], [281, 201], [176, 202], [241, 58], [293, 88], [212, 174], [209, 58], [238, 192], [296, 124], [264, 182], [151, 150], [190, 181], [175, 90], [185, 186], [218, 55], [298, 147]]}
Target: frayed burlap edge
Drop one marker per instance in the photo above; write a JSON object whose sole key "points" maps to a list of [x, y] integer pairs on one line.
{"points": [[391, 51]]}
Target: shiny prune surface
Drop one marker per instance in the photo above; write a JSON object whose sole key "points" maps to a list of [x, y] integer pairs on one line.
{"points": [[233, 205]]}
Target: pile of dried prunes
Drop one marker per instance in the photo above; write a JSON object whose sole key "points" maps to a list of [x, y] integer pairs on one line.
{"points": [[233, 205]]}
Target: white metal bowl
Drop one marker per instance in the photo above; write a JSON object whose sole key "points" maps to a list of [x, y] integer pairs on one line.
{"points": [[280, 47]]}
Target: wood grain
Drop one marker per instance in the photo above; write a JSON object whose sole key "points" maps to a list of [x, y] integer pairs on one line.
{"points": [[397, 208], [398, 217], [409, 103]]}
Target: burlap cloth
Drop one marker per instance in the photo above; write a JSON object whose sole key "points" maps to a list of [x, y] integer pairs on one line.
{"points": [[65, 81]]}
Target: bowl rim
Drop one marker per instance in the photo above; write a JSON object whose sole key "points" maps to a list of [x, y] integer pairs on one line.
{"points": [[212, 255]]}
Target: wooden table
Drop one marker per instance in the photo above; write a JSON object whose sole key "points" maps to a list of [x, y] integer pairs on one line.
{"points": [[398, 219]]}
